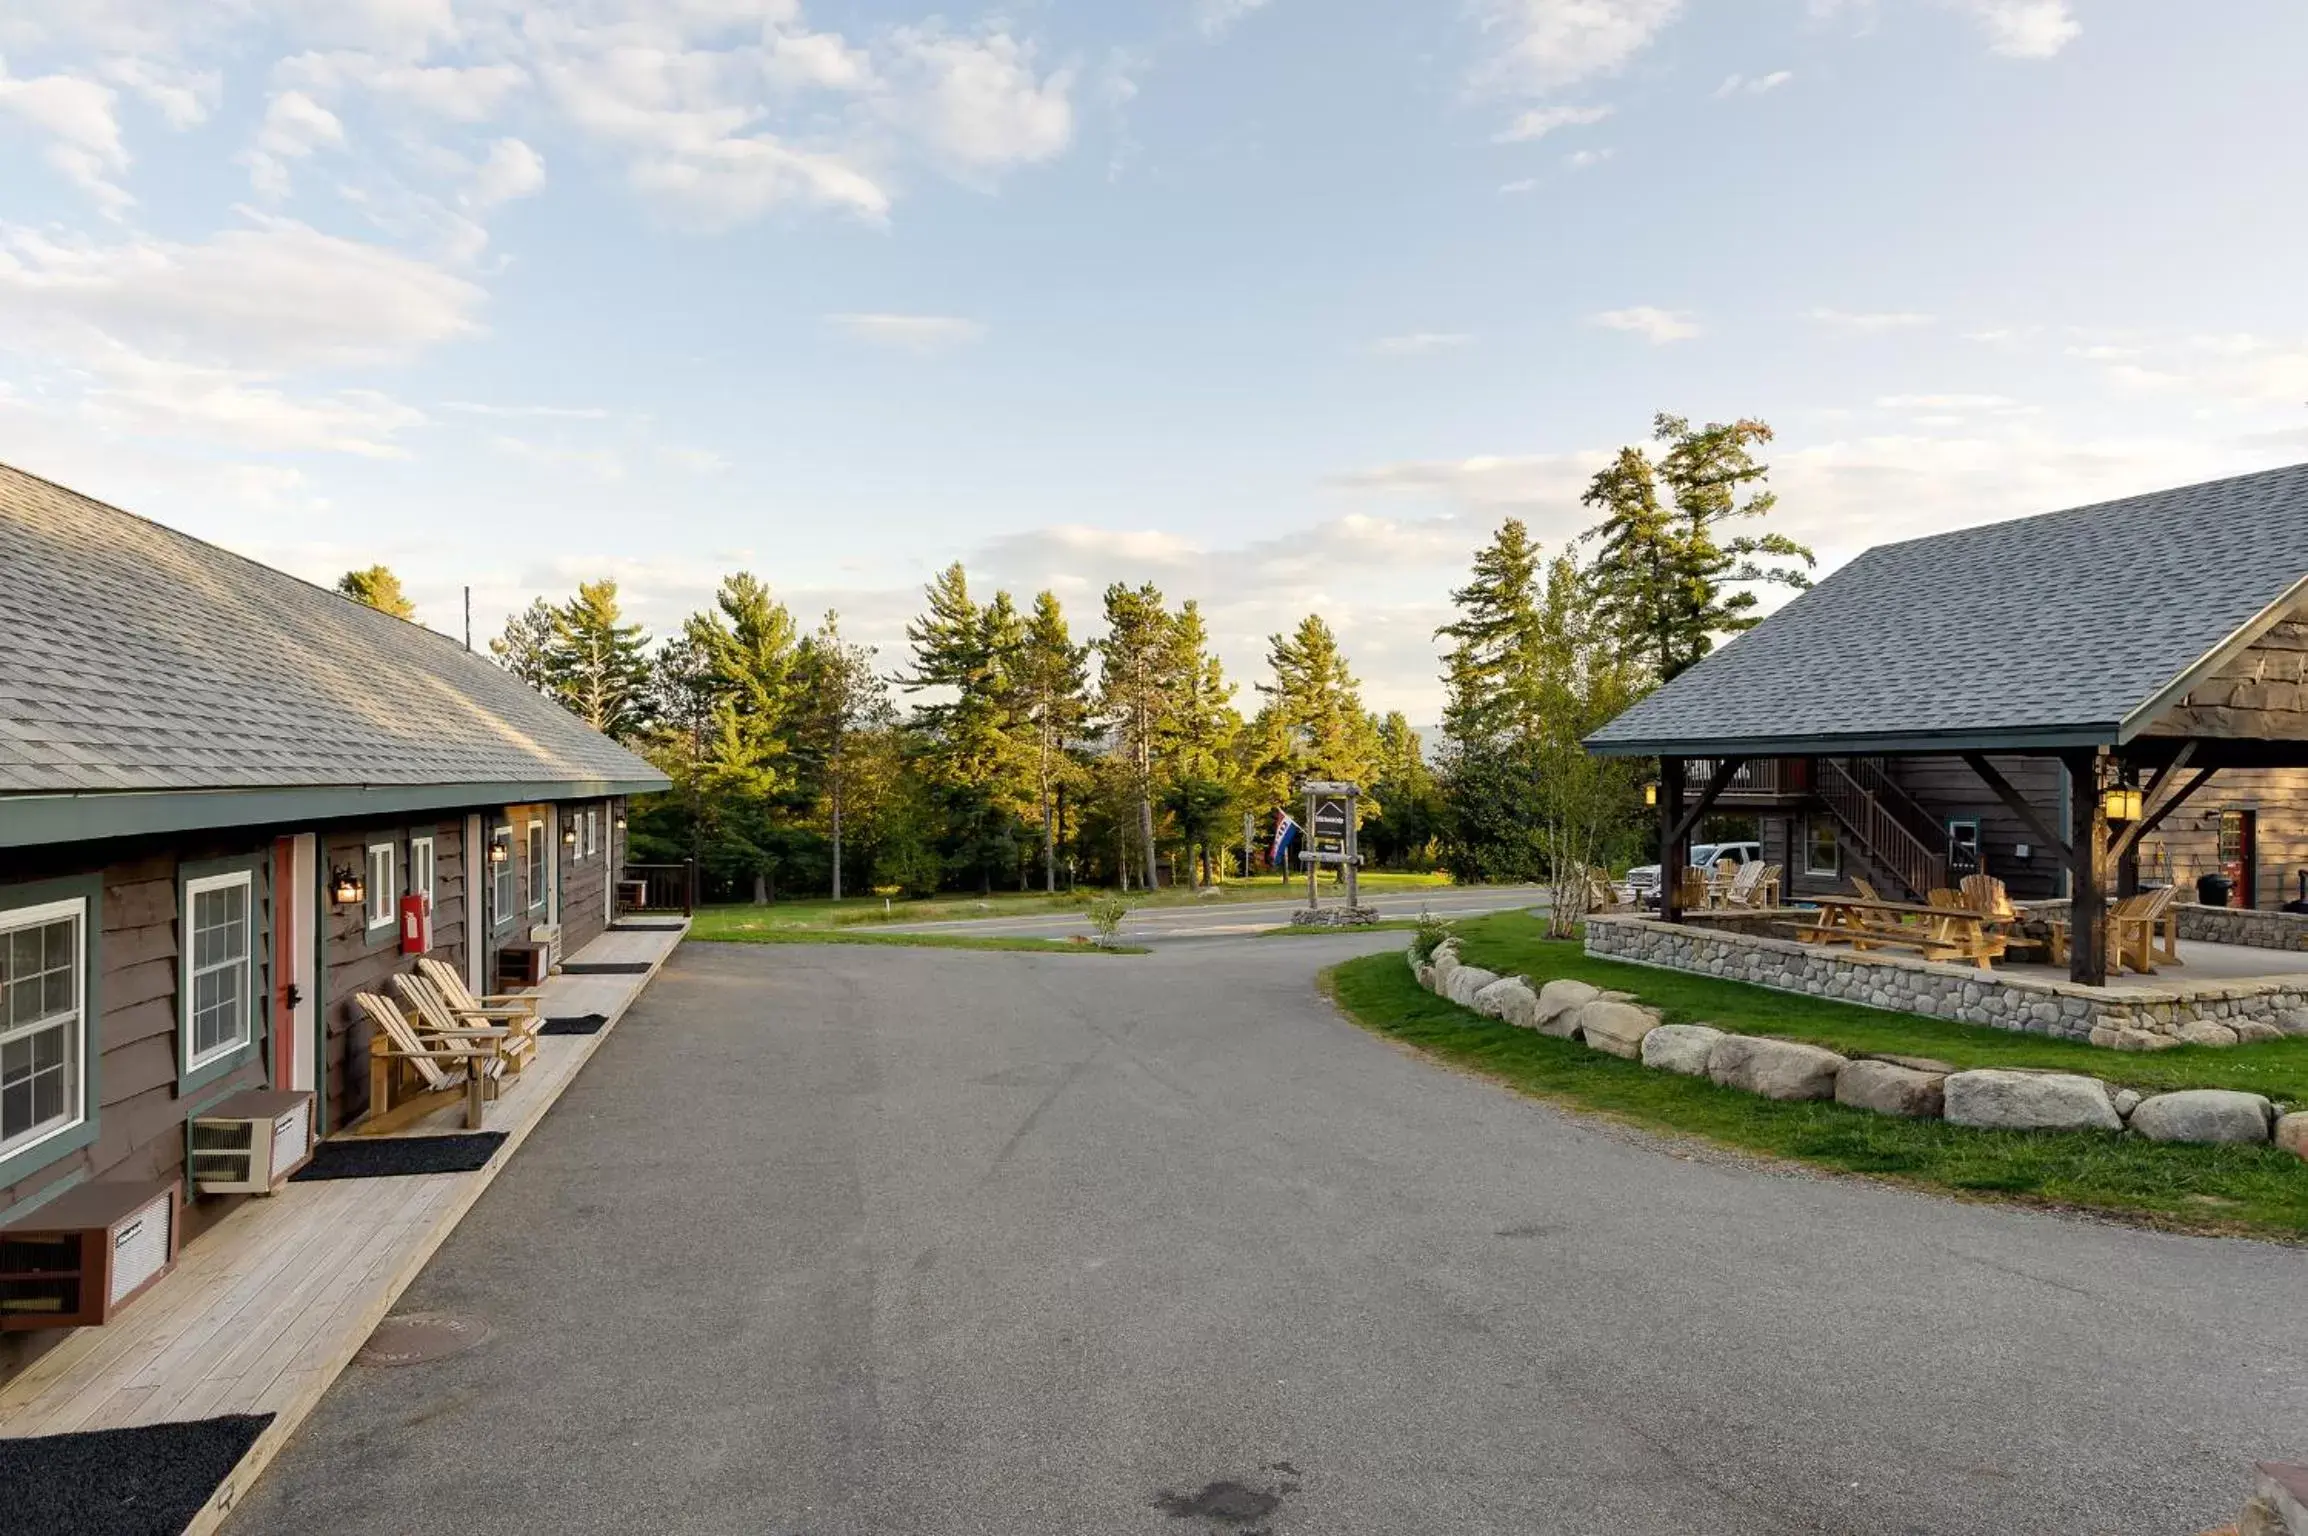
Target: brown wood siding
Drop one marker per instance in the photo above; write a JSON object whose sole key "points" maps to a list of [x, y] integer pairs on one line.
{"points": [[1947, 789], [584, 877], [355, 959], [2261, 695], [2188, 843]]}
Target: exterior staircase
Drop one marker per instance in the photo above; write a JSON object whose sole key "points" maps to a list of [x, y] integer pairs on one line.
{"points": [[1883, 820]]}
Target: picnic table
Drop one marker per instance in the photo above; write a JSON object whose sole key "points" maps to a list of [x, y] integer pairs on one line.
{"points": [[1934, 932]]}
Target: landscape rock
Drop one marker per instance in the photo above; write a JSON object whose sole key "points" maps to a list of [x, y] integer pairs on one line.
{"points": [[1465, 981], [2292, 1135], [2203, 1114], [1446, 960], [2109, 1037], [1888, 1088], [1776, 1069], [1559, 997], [1425, 975], [1912, 1063], [2283, 1488], [2254, 1031], [1616, 1027], [2293, 1023], [2205, 1032], [2125, 1100], [1680, 1048], [1993, 1099], [1509, 999]]}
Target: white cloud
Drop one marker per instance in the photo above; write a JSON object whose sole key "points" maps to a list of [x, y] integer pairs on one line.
{"points": [[567, 412], [464, 93], [84, 135], [1743, 85], [1515, 188], [2025, 29], [913, 333], [697, 461], [137, 393], [1587, 159], [1541, 121], [1656, 326], [183, 97], [294, 126], [512, 170], [1962, 404], [1213, 18], [1421, 341], [976, 101], [595, 463], [1545, 45], [1868, 322]]}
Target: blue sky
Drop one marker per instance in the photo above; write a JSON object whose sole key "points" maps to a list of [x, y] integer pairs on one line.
{"points": [[1280, 305]]}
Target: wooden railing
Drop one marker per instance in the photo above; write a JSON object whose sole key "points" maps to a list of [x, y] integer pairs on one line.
{"points": [[658, 888], [1867, 802], [1773, 776]]}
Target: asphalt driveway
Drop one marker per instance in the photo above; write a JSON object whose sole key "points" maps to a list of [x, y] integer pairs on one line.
{"points": [[888, 1241]]}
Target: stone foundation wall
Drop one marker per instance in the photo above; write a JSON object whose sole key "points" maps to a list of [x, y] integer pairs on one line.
{"points": [[2133, 1018], [2234, 925]]}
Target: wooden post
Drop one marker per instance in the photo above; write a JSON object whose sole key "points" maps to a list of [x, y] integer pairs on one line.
{"points": [[2087, 869], [1671, 855], [1313, 895], [1353, 853]]}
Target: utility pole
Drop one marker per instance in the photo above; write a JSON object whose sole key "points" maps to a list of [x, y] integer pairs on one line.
{"points": [[468, 618]]}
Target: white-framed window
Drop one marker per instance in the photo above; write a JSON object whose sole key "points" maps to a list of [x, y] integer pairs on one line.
{"points": [[384, 867], [219, 966], [592, 829], [421, 868], [534, 832], [43, 954], [501, 874], [1822, 851]]}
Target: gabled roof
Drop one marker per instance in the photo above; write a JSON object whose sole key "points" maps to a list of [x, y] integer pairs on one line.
{"points": [[2069, 629], [137, 663]]}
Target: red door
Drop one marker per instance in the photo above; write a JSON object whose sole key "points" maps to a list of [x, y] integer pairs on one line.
{"points": [[2240, 856], [284, 949]]}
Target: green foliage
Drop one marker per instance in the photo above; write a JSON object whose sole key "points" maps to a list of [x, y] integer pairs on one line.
{"points": [[525, 648], [377, 587], [1432, 932], [1105, 914], [1491, 673], [1404, 833], [1315, 711], [597, 665]]}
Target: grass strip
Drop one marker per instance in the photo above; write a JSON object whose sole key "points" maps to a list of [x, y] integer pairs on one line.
{"points": [[1515, 944], [2223, 1190], [734, 935], [1324, 930]]}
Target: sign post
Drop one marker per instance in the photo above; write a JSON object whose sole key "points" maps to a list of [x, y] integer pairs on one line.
{"points": [[1333, 838]]}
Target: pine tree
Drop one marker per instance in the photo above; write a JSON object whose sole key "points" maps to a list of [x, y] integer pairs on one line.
{"points": [[841, 698], [1488, 674], [746, 661], [1319, 705], [1200, 738], [966, 750], [1405, 786], [1137, 656], [525, 649], [378, 588], [596, 665], [1051, 679]]}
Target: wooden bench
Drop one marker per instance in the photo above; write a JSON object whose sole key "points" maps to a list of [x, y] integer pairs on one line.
{"points": [[411, 1076]]}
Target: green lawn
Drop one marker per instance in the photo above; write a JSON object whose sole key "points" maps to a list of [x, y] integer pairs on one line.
{"points": [[2256, 1190], [742, 920], [1514, 943], [736, 934], [1319, 930]]}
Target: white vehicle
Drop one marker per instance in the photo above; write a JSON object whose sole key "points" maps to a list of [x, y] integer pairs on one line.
{"points": [[1711, 857]]}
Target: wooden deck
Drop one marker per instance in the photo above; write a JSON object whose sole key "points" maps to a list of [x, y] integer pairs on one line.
{"points": [[265, 1310]]}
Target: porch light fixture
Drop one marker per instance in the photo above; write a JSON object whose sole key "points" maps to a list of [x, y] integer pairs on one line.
{"points": [[348, 889], [1651, 793], [620, 821], [569, 834], [2121, 802], [500, 851]]}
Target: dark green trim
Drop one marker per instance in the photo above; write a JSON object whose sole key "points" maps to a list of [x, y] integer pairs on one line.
{"points": [[28, 820], [89, 889], [261, 895], [1920, 744], [320, 943]]}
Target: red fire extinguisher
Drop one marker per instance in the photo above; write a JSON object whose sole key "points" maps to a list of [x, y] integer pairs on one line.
{"points": [[416, 924]]}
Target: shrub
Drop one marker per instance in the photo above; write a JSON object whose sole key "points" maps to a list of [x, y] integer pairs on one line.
{"points": [[1105, 914], [1432, 930]]}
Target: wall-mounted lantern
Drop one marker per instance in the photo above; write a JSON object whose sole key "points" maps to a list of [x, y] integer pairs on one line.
{"points": [[1651, 793], [2122, 802], [347, 888], [500, 851], [620, 821], [568, 834]]}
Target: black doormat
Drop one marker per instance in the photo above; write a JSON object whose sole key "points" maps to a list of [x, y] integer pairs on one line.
{"points": [[673, 927], [606, 968], [147, 1481], [582, 1024], [400, 1157]]}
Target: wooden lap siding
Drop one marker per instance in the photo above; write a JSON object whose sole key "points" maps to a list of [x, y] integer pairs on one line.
{"points": [[355, 958], [584, 877], [1946, 789]]}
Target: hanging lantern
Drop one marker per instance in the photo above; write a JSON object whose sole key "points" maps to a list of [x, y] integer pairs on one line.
{"points": [[568, 834], [347, 888], [2122, 802], [500, 852], [1651, 792]]}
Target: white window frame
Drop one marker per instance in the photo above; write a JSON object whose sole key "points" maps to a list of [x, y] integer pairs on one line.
{"points": [[592, 830], [422, 862], [1809, 867], [377, 907], [76, 908], [533, 862], [502, 889], [188, 973]]}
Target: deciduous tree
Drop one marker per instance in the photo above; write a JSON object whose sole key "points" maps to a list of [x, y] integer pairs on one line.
{"points": [[378, 588]]}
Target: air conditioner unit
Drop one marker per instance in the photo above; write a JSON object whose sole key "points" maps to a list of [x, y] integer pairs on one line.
{"points": [[251, 1143], [547, 937], [79, 1259], [521, 965]]}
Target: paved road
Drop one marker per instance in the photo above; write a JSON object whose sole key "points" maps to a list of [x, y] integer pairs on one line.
{"points": [[879, 1242], [1234, 919]]}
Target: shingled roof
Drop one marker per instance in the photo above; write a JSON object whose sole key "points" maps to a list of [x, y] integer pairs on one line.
{"points": [[2073, 628], [144, 665]]}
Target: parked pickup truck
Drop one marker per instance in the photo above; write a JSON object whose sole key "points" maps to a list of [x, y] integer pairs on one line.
{"points": [[1644, 878]]}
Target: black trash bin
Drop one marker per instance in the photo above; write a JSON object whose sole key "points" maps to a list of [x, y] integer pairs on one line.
{"points": [[2213, 890]]}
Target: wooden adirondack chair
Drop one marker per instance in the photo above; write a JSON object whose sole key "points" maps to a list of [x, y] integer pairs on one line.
{"points": [[515, 1011], [1864, 889], [2131, 928], [1602, 895], [1691, 889], [1985, 893], [410, 1076], [1744, 885], [433, 1016]]}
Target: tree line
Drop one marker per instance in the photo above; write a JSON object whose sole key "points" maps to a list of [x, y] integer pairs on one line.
{"points": [[1007, 751]]}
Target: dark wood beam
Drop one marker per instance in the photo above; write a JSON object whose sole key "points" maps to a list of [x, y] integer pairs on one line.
{"points": [[2087, 869], [1725, 770], [1670, 848], [2016, 802], [2155, 818]]}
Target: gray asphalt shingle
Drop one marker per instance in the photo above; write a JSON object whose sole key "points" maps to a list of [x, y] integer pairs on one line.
{"points": [[133, 657], [2062, 623]]}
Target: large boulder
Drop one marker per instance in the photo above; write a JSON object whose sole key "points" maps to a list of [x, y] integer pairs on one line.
{"points": [[2292, 1135], [1888, 1088], [1445, 961], [1509, 999], [1776, 1069], [1610, 1025], [1425, 975], [2205, 1032], [1994, 1099], [2254, 1031], [1559, 997], [2203, 1114], [1680, 1048], [1465, 981]]}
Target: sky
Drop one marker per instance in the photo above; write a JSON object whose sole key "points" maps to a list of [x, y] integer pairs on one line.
{"points": [[1282, 305]]}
